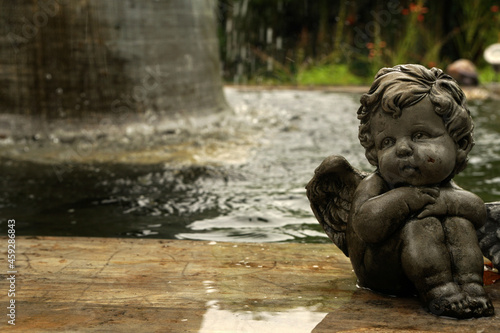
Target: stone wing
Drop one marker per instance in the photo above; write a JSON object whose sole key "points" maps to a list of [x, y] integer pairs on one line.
{"points": [[330, 193], [489, 234]]}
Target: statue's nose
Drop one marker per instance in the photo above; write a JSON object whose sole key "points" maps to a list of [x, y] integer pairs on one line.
{"points": [[404, 148]]}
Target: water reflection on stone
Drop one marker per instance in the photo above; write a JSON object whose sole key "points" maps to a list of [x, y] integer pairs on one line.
{"points": [[298, 320]]}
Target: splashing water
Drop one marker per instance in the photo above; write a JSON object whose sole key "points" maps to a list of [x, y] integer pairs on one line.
{"points": [[241, 179]]}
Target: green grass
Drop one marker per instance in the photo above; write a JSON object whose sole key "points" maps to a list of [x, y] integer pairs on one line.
{"points": [[487, 74], [332, 74], [340, 75]]}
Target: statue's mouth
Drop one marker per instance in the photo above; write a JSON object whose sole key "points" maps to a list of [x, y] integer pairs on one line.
{"points": [[408, 170]]}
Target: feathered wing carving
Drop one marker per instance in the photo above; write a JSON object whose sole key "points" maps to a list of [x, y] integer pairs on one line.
{"points": [[489, 234], [330, 193]]}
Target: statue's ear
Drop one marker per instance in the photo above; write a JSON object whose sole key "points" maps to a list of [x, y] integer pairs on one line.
{"points": [[464, 146], [371, 156]]}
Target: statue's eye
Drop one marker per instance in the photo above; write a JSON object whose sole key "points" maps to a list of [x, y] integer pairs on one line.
{"points": [[386, 143], [419, 136]]}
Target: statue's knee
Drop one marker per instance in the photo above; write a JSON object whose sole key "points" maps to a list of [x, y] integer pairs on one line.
{"points": [[461, 234], [459, 225], [425, 230]]}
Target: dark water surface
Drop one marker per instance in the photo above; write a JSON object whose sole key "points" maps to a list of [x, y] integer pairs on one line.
{"points": [[241, 180]]}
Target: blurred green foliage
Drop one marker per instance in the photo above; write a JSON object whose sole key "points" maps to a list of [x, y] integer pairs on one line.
{"points": [[336, 74], [346, 42]]}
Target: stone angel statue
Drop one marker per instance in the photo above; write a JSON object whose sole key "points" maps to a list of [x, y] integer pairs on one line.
{"points": [[407, 227]]}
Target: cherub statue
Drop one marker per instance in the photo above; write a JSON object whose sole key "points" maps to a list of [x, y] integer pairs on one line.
{"points": [[407, 227]]}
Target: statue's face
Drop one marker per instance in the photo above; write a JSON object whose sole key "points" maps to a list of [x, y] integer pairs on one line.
{"points": [[414, 149]]}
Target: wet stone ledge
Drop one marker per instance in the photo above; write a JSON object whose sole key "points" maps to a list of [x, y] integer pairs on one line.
{"points": [[89, 284]]}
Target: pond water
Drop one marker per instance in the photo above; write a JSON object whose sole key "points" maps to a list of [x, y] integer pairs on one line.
{"points": [[241, 180]]}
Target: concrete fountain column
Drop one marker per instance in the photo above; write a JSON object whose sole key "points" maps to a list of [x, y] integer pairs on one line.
{"points": [[90, 65]]}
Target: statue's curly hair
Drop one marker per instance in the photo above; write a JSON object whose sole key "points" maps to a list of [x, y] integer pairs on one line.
{"points": [[402, 86]]}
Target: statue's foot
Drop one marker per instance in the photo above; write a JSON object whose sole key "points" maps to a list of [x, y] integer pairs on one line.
{"points": [[478, 301], [455, 306], [449, 301]]}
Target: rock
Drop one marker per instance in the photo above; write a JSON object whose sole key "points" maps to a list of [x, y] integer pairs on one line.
{"points": [[464, 72]]}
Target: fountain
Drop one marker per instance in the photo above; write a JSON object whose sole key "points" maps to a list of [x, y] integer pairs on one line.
{"points": [[86, 68]]}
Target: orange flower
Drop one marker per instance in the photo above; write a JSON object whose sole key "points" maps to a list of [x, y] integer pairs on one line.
{"points": [[350, 20], [420, 18], [414, 8], [495, 9], [370, 45], [382, 44], [405, 11]]}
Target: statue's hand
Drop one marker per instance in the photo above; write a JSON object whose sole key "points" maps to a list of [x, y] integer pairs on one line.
{"points": [[437, 208], [421, 197]]}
